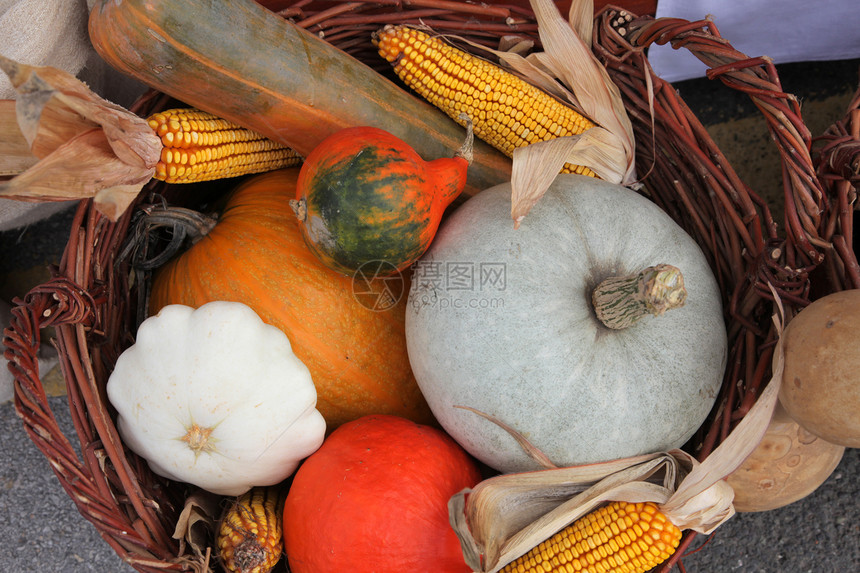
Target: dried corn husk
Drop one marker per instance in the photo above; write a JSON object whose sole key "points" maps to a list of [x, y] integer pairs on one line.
{"points": [[85, 146], [568, 69], [15, 155], [195, 525], [503, 517]]}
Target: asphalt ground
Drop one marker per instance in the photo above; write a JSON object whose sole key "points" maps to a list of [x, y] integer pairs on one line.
{"points": [[42, 531]]}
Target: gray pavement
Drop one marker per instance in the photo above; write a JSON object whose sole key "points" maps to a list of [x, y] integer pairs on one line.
{"points": [[39, 523]]}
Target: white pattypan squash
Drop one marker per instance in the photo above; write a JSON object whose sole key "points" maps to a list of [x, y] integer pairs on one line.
{"points": [[215, 397]]}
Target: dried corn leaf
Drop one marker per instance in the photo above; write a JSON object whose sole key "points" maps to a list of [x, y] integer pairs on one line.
{"points": [[82, 167], [581, 18], [503, 517], [15, 154], [536, 166], [195, 526], [530, 449], [569, 57], [86, 146], [568, 70], [689, 505]]}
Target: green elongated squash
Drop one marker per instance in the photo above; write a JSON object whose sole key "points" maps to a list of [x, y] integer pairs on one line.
{"points": [[243, 62]]}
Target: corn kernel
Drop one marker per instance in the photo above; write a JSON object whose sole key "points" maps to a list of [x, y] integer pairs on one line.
{"points": [[249, 536], [611, 539], [199, 146], [474, 85]]}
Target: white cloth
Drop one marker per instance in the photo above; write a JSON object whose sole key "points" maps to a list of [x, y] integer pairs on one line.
{"points": [[37, 32], [54, 33], [785, 30]]}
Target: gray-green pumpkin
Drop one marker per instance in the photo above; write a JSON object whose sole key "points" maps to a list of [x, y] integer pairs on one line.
{"points": [[502, 320]]}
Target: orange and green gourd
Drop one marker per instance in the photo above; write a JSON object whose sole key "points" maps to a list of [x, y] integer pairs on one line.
{"points": [[364, 195]]}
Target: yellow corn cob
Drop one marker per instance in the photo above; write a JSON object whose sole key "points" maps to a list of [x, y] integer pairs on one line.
{"points": [[620, 537], [506, 111], [249, 538], [199, 146]]}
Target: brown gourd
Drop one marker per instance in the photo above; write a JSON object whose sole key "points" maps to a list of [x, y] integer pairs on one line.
{"points": [[787, 465], [821, 381]]}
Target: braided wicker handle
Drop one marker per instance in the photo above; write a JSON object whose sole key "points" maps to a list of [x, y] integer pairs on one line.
{"points": [[756, 77], [838, 168], [133, 524], [749, 255]]}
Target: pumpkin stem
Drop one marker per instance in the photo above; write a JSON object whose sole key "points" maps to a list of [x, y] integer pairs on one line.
{"points": [[621, 301], [449, 173]]}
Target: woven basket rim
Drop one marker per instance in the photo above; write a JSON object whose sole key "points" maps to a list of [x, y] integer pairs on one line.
{"points": [[89, 301]]}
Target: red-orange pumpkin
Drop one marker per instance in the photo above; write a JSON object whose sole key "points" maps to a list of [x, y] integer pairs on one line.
{"points": [[256, 255], [365, 195], [374, 499]]}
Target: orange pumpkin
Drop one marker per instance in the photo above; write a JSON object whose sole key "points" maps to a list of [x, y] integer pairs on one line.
{"points": [[256, 255], [374, 499]]}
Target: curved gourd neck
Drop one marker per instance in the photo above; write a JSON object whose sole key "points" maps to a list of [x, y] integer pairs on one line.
{"points": [[449, 173], [619, 302]]}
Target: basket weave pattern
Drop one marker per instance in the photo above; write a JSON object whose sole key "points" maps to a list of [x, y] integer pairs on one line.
{"points": [[93, 302]]}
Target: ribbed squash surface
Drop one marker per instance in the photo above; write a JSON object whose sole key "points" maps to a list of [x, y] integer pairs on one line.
{"points": [[256, 255]]}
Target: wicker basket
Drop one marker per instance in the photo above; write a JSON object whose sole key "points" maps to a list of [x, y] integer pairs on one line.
{"points": [[93, 305]]}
